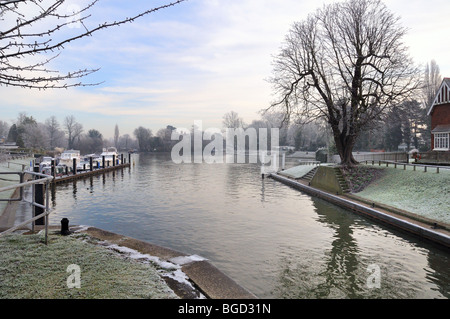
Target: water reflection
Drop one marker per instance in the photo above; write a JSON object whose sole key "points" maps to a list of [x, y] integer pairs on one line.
{"points": [[270, 238]]}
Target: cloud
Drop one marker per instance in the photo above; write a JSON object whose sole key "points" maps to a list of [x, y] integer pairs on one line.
{"points": [[197, 61]]}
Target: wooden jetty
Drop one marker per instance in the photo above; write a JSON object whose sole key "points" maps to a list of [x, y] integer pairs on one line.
{"points": [[75, 174], [87, 173]]}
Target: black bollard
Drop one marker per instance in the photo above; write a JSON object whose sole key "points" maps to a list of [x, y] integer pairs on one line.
{"points": [[65, 227]]}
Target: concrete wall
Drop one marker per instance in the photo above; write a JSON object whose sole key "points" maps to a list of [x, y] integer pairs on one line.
{"points": [[325, 178]]}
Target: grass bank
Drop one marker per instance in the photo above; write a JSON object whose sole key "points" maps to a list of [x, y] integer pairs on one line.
{"points": [[30, 269], [423, 193]]}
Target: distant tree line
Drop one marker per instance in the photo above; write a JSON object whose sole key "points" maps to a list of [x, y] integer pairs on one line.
{"points": [[27, 132]]}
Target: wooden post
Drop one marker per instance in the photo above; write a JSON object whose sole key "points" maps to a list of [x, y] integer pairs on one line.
{"points": [[90, 164], [74, 166], [103, 161], [129, 158], [121, 159], [53, 168], [114, 160]]}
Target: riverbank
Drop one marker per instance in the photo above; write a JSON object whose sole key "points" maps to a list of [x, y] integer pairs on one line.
{"points": [[111, 266], [422, 194], [409, 199]]}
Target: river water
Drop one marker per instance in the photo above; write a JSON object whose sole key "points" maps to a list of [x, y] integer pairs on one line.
{"points": [[271, 239]]}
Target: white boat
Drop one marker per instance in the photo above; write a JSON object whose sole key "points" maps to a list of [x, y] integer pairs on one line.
{"points": [[108, 153], [68, 156], [45, 164]]}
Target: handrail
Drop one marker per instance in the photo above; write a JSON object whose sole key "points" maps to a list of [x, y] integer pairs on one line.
{"points": [[40, 179], [36, 181], [408, 164]]}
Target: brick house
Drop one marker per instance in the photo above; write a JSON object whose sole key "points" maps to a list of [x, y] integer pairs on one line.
{"points": [[440, 118]]}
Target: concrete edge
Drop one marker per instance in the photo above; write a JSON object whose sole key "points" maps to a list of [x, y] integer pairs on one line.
{"points": [[208, 279], [422, 230]]}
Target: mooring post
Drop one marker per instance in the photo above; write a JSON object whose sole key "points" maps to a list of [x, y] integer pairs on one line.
{"points": [[74, 166], [121, 159], [103, 161], [53, 168], [91, 168], [114, 160], [65, 227], [129, 158]]}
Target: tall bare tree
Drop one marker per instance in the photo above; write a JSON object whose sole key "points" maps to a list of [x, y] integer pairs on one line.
{"points": [[73, 130], [116, 136], [232, 120], [33, 29], [431, 83], [55, 135], [345, 63]]}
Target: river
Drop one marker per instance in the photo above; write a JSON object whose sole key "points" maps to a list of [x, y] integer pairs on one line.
{"points": [[271, 239]]}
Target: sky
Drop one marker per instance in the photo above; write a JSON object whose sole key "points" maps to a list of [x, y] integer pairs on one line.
{"points": [[195, 61]]}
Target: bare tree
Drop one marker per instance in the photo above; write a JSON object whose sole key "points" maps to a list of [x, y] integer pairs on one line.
{"points": [[125, 142], [143, 136], [73, 130], [4, 129], [55, 135], [116, 136], [232, 120], [345, 63], [35, 136], [39, 28], [431, 83]]}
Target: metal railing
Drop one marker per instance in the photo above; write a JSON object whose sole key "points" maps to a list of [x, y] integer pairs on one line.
{"points": [[404, 165], [38, 178]]}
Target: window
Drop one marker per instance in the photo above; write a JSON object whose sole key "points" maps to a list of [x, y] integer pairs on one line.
{"points": [[441, 141]]}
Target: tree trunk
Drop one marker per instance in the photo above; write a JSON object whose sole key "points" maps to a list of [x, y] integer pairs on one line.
{"points": [[347, 158], [344, 146]]}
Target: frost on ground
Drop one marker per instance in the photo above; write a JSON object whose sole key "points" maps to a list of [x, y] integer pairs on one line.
{"points": [[30, 269], [297, 171], [423, 193]]}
